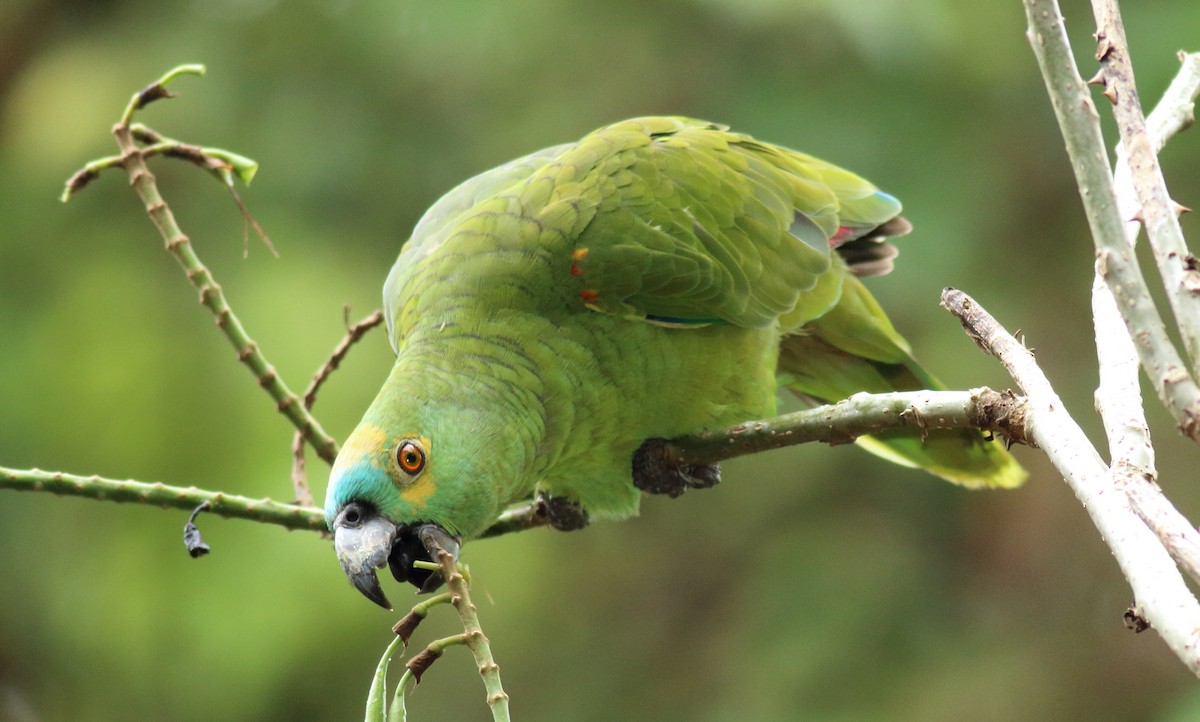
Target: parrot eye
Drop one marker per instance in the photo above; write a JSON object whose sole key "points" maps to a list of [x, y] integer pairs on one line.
{"points": [[410, 457]]}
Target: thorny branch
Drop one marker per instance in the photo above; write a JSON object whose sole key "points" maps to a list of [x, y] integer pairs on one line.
{"points": [[1115, 260], [1000, 412], [1118, 397], [133, 160], [1162, 595], [1128, 328], [1158, 212]]}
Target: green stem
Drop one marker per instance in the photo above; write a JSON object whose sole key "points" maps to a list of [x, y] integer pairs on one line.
{"points": [[158, 494], [377, 696], [157, 90], [211, 294], [459, 586], [396, 712], [409, 622]]}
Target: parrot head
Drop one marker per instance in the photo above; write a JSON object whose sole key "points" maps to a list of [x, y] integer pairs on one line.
{"points": [[411, 479]]}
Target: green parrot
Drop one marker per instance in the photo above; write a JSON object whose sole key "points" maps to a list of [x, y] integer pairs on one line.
{"points": [[550, 317]]}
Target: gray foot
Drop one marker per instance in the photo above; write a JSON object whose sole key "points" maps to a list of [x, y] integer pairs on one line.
{"points": [[562, 513], [654, 473]]}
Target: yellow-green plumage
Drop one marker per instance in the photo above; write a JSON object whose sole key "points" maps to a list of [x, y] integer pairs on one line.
{"points": [[551, 315]]}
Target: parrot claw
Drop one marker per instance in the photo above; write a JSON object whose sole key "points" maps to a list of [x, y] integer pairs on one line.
{"points": [[562, 513], [653, 473]]}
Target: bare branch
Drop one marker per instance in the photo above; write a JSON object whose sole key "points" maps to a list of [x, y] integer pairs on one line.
{"points": [[1162, 596], [1158, 212], [1002, 413], [1118, 397], [1115, 261]]}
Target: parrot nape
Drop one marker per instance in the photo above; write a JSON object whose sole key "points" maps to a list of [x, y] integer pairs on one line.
{"points": [[660, 277]]}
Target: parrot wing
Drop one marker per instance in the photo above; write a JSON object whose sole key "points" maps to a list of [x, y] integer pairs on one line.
{"points": [[693, 225], [696, 225]]}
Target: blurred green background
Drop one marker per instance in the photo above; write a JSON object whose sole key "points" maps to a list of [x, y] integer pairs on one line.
{"points": [[813, 584]]}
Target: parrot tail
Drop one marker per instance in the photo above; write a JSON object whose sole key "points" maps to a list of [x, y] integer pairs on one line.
{"points": [[854, 348]]}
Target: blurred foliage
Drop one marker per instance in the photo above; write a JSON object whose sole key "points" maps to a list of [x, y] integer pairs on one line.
{"points": [[814, 584]]}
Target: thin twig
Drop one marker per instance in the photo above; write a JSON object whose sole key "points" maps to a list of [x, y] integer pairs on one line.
{"points": [[158, 494], [1162, 596], [353, 334], [300, 488], [1115, 260]]}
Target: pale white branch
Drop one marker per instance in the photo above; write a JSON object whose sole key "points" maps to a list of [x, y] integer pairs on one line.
{"points": [[1118, 397], [1162, 595], [1157, 211]]}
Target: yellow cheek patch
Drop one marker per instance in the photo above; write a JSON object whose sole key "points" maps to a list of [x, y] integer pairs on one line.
{"points": [[418, 494]]}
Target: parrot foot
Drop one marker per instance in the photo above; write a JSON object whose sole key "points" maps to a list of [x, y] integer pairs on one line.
{"points": [[562, 513], [653, 473]]}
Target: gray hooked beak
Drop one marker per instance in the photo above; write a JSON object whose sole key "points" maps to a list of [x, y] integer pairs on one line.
{"points": [[363, 540]]}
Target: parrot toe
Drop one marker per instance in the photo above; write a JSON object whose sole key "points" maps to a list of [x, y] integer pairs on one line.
{"points": [[562, 513], [654, 473]]}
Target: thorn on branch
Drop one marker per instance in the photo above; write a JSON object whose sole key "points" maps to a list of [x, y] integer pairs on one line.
{"points": [[1134, 620], [78, 181], [191, 534], [1104, 46], [422, 662], [407, 625], [149, 94]]}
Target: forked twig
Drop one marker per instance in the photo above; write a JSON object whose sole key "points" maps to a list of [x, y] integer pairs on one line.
{"points": [[354, 332], [1115, 260], [225, 165], [1163, 597]]}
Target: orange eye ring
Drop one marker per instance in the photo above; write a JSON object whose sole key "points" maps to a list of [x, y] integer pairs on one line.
{"points": [[410, 457]]}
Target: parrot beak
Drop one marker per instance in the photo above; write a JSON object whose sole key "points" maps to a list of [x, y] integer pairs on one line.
{"points": [[366, 540], [363, 539], [421, 543]]}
